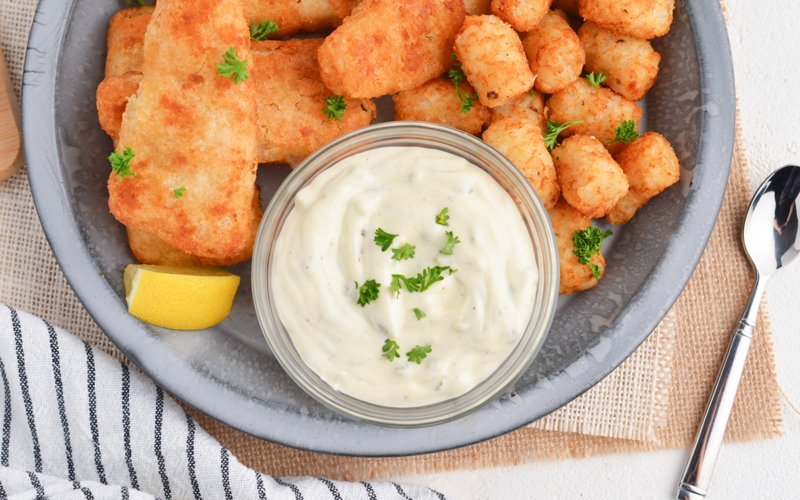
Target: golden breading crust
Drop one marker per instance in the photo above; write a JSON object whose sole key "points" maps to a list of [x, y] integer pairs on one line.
{"points": [[496, 79], [555, 53], [574, 276], [437, 102], [591, 181], [525, 107], [640, 18], [290, 95], [522, 143], [190, 127], [293, 16], [478, 7], [630, 63], [112, 99], [568, 6], [651, 166], [602, 110], [126, 39], [386, 46], [149, 249], [522, 15]]}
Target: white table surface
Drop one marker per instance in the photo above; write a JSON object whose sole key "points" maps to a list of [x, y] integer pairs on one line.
{"points": [[765, 42]]}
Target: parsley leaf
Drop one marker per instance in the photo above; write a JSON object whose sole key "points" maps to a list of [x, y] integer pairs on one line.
{"points": [[367, 292], [532, 93], [404, 252], [596, 80], [233, 67], [626, 132], [417, 354], [428, 36], [419, 313], [389, 349], [430, 276], [451, 242], [259, 31], [179, 192], [457, 75], [335, 108], [587, 242], [412, 285], [441, 219], [121, 163], [384, 239], [555, 128]]}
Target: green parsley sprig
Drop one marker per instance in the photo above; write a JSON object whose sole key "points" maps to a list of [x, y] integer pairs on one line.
{"points": [[390, 348], [367, 292], [404, 252], [451, 242], [398, 280], [626, 132], [259, 31], [555, 128], [335, 108], [233, 67], [422, 281], [384, 239], [441, 219], [121, 163], [532, 93], [586, 243], [457, 75], [420, 314], [596, 80], [417, 354], [179, 192]]}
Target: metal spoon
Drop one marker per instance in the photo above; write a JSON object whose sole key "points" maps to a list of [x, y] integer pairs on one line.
{"points": [[770, 236]]}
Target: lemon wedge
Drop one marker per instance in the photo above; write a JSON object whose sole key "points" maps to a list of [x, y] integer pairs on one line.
{"points": [[180, 298]]}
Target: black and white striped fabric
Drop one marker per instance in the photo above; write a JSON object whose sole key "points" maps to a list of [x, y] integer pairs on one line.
{"points": [[77, 424]]}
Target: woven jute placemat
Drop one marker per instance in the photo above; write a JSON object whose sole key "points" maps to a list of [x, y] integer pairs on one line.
{"points": [[652, 401]]}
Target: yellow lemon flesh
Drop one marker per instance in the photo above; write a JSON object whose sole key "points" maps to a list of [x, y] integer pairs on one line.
{"points": [[180, 298]]}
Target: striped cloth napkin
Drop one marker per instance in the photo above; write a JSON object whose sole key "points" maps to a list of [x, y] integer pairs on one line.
{"points": [[77, 424]]}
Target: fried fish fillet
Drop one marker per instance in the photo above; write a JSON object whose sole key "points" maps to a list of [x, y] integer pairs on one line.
{"points": [[126, 39], [293, 16], [190, 127]]}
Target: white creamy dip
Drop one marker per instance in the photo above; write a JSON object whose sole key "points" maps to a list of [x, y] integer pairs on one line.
{"points": [[474, 317]]}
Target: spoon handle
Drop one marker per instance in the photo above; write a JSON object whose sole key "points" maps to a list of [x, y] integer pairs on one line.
{"points": [[700, 466]]}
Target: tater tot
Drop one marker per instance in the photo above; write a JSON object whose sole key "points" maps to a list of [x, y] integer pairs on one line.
{"points": [[437, 102], [522, 15], [640, 18], [493, 60], [591, 181], [478, 7], [651, 166], [568, 6], [522, 143], [386, 46], [555, 53], [526, 107], [630, 63], [575, 277], [602, 110]]}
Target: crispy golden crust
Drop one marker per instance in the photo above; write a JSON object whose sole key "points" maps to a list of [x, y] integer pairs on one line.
{"points": [[651, 166], [630, 63], [601, 110], [640, 18], [525, 107], [126, 40], [437, 102], [182, 136], [522, 143], [478, 7], [574, 276], [290, 96], [293, 16], [568, 6], [149, 249], [496, 79], [555, 53], [387, 46], [112, 98], [591, 181], [522, 15]]}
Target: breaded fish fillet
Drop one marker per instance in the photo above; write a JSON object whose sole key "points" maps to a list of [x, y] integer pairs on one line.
{"points": [[112, 99], [126, 39], [190, 127], [293, 16], [149, 249]]}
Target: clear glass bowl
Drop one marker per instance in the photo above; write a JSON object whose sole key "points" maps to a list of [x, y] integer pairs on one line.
{"points": [[426, 135]]}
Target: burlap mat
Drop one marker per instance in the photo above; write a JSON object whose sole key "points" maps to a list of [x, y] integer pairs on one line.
{"points": [[652, 401]]}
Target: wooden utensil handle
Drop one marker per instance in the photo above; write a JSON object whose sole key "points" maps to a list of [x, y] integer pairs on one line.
{"points": [[11, 157]]}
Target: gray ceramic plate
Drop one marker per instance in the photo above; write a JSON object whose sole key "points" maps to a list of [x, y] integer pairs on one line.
{"points": [[228, 373]]}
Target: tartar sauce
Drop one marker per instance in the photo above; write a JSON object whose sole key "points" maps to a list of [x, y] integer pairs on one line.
{"points": [[474, 317]]}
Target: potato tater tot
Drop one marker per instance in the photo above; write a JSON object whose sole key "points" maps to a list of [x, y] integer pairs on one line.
{"points": [[493, 60], [575, 277], [591, 181], [602, 110], [651, 166], [526, 107], [386, 47], [478, 7], [630, 63], [640, 18], [522, 143], [293, 16], [522, 15], [126, 39], [568, 6], [437, 102], [555, 53]]}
